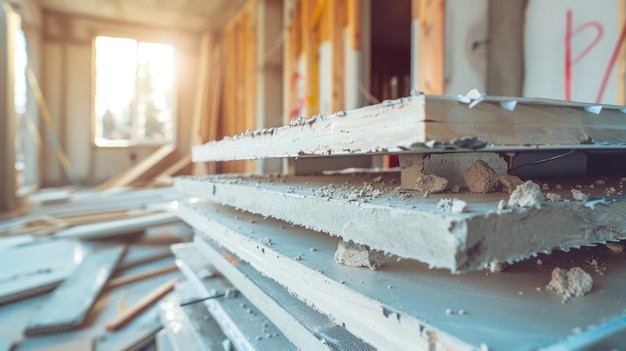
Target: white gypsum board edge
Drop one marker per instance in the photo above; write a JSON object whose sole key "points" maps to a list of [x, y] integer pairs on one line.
{"points": [[345, 306], [117, 227], [307, 328], [500, 309], [394, 221], [239, 319]]}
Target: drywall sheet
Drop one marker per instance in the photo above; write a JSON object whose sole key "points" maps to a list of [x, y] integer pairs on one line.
{"points": [[370, 210], [68, 306], [569, 50], [306, 328], [22, 276], [405, 305], [431, 123], [246, 327]]}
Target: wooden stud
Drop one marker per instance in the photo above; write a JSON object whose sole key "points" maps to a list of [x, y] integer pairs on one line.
{"points": [[8, 197], [431, 36]]}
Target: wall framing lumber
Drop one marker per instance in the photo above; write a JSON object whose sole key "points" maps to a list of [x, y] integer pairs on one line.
{"points": [[9, 22]]}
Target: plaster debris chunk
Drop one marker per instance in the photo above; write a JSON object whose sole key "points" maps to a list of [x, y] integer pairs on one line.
{"points": [[452, 205], [480, 178], [526, 195], [615, 247], [510, 182], [552, 197], [356, 255], [579, 195], [431, 183], [570, 283]]}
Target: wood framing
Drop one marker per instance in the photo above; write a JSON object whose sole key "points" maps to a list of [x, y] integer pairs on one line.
{"points": [[432, 123], [141, 170], [8, 24], [428, 46]]}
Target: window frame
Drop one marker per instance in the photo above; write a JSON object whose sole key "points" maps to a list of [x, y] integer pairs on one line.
{"points": [[96, 126]]}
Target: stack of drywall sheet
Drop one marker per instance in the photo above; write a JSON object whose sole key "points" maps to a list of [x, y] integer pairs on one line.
{"points": [[404, 304]]}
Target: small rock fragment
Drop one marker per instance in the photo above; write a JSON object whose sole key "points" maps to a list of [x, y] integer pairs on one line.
{"points": [[356, 255], [266, 241], [526, 195], [431, 183], [545, 186], [558, 187], [452, 205], [599, 182], [449, 311], [497, 267], [579, 196], [480, 178], [501, 205], [455, 188], [570, 283], [552, 197], [509, 182], [615, 247]]}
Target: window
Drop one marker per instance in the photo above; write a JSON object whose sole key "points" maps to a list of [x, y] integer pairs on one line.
{"points": [[134, 92]]}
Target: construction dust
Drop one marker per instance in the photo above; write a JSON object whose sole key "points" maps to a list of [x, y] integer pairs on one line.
{"points": [[570, 283]]}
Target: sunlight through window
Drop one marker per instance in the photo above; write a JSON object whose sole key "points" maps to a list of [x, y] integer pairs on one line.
{"points": [[135, 98]]}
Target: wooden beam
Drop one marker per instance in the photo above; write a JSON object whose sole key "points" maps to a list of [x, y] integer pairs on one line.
{"points": [[505, 66], [429, 38], [141, 169], [129, 279], [8, 24], [337, 13]]}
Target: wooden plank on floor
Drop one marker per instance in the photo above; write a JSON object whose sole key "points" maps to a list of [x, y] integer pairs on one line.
{"points": [[367, 209], [405, 305], [140, 170], [432, 124], [70, 303]]}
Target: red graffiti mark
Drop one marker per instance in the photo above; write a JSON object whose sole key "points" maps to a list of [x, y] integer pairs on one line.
{"points": [[569, 34], [570, 62], [295, 113], [612, 61]]}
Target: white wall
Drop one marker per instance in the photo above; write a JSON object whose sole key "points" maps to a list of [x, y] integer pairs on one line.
{"points": [[545, 34]]}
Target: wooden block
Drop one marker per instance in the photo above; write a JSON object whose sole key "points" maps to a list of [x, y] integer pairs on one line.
{"points": [[69, 304]]}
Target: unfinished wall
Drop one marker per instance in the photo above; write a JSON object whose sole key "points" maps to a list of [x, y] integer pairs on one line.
{"points": [[67, 85], [569, 50]]}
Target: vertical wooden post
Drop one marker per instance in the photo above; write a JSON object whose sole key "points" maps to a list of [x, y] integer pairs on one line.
{"points": [[428, 33], [352, 80], [337, 22], [8, 24]]}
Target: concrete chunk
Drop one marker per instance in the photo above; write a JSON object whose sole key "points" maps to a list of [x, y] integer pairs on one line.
{"points": [[526, 195], [509, 182], [480, 178], [356, 255], [431, 183]]}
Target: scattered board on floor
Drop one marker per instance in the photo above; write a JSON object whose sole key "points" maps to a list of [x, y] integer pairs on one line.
{"points": [[405, 305], [133, 338], [246, 327], [305, 327], [69, 304], [22, 276], [189, 327], [411, 226], [419, 123], [117, 227]]}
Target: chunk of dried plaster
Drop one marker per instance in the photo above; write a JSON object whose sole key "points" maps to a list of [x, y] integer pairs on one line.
{"points": [[431, 183], [480, 178], [615, 247], [510, 182], [526, 195], [356, 255], [579, 195], [553, 197], [452, 205], [570, 283]]}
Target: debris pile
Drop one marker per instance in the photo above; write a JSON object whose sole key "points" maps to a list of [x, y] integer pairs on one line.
{"points": [[570, 283]]}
